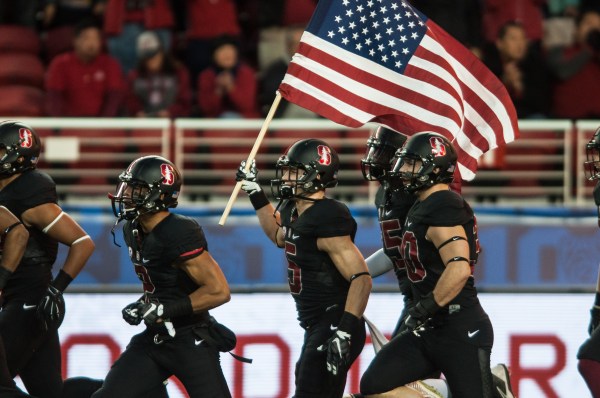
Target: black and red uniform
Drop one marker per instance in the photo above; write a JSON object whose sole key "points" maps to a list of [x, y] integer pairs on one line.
{"points": [[459, 343], [31, 352], [153, 355], [319, 290]]}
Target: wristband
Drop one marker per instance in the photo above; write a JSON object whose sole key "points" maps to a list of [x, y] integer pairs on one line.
{"points": [[62, 280], [4, 275], [259, 199], [349, 322], [177, 308]]}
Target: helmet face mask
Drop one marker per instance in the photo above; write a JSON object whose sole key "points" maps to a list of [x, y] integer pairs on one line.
{"points": [[427, 159], [380, 153], [149, 185], [20, 148], [592, 164], [307, 166]]}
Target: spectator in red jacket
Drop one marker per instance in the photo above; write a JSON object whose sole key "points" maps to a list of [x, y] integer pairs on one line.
{"points": [[125, 20], [528, 12], [228, 88], [207, 21], [84, 82], [159, 86], [577, 69]]}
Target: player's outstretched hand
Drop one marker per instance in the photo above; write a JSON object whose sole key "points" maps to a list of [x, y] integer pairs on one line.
{"points": [[51, 309], [594, 319], [338, 351], [249, 179], [132, 314]]}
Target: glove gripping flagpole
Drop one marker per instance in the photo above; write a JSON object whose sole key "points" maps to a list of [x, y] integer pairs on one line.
{"points": [[251, 156]]}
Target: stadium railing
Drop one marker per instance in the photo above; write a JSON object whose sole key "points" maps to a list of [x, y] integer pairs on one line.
{"points": [[85, 155]]}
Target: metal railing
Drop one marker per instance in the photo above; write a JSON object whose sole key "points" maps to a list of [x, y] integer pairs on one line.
{"points": [[86, 155]]}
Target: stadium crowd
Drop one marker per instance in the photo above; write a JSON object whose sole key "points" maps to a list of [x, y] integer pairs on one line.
{"points": [[225, 58]]}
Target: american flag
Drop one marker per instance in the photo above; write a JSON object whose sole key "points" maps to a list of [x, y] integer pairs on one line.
{"points": [[384, 61]]}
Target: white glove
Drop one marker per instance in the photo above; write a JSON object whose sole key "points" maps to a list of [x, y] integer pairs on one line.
{"points": [[249, 179]]}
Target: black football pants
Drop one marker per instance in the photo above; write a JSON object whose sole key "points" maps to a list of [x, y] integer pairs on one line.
{"points": [[145, 363]]}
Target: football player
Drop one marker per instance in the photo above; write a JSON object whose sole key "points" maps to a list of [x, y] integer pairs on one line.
{"points": [[181, 283], [446, 328], [33, 307], [327, 274], [13, 240], [589, 352], [393, 205]]}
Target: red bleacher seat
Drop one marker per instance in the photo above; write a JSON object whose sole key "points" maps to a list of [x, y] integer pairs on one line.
{"points": [[17, 100], [21, 69], [58, 41], [18, 39]]}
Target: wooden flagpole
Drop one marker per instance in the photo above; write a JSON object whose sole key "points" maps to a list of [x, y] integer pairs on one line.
{"points": [[251, 157]]}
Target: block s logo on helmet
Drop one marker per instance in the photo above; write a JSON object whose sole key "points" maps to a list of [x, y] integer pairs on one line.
{"points": [[166, 170], [324, 155], [437, 147], [26, 138]]}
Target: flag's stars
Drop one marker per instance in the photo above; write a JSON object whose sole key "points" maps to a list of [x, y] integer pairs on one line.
{"points": [[345, 40], [395, 54], [365, 31], [398, 64], [338, 19], [400, 28], [383, 9], [349, 13], [360, 8], [421, 23], [414, 35], [370, 3], [394, 6], [368, 42], [386, 20], [341, 29], [330, 34], [391, 43], [359, 46], [363, 19], [397, 17], [378, 36], [371, 52], [355, 36], [373, 14], [375, 24], [389, 31], [404, 5], [405, 51], [384, 58], [381, 47], [403, 39], [352, 25], [411, 24], [345, 3], [407, 14]]}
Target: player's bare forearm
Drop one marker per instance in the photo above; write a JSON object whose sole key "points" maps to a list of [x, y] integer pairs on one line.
{"points": [[269, 223], [213, 289], [78, 255], [358, 295], [208, 297], [451, 282]]}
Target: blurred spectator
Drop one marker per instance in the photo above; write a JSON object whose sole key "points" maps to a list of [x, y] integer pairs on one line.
{"points": [[522, 70], [159, 86], [18, 12], [271, 78], [227, 89], [499, 12], [59, 20], [577, 69], [84, 82], [125, 20], [460, 18], [568, 8], [207, 20]]}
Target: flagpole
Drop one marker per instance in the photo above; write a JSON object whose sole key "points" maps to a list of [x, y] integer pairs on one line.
{"points": [[251, 157]]}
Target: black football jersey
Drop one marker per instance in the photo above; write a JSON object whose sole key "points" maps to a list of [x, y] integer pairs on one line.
{"points": [[31, 189], [154, 256], [314, 281], [422, 259], [392, 208]]}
